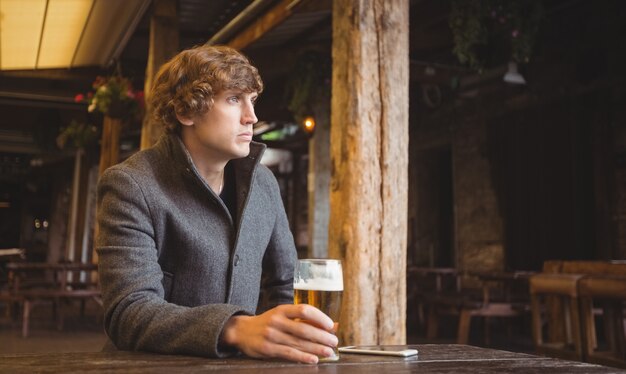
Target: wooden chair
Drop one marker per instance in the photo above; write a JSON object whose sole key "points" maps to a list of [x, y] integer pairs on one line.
{"points": [[9, 301], [426, 283], [610, 293], [468, 303], [505, 305], [543, 289]]}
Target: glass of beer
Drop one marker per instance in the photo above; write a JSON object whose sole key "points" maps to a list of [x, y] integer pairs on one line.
{"points": [[319, 282]]}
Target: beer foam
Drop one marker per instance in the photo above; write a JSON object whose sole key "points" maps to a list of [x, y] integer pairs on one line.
{"points": [[319, 285]]}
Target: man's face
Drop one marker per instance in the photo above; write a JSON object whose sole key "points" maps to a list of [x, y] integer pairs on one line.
{"points": [[225, 131]]}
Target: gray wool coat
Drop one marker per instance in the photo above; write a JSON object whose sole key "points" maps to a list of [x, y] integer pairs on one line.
{"points": [[174, 266]]}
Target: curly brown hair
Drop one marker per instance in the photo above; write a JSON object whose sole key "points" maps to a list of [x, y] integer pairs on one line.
{"points": [[185, 86]]}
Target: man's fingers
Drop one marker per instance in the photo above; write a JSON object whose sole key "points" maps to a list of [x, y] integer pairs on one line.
{"points": [[305, 331], [308, 313], [290, 332], [272, 350], [302, 347], [300, 329], [292, 354]]}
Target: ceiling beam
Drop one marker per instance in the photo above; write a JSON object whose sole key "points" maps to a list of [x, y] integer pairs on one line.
{"points": [[263, 24], [74, 74], [30, 99], [244, 17]]}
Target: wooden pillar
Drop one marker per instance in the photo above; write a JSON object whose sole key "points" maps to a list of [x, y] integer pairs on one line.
{"points": [[369, 164], [319, 182], [110, 144], [163, 46], [109, 156], [73, 215]]}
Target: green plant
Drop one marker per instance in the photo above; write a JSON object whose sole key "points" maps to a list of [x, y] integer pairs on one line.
{"points": [[308, 84], [78, 135], [478, 25]]}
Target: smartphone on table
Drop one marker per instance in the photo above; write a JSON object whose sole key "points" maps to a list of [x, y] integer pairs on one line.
{"points": [[378, 350]]}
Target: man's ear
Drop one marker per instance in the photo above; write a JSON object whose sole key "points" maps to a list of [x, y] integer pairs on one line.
{"points": [[184, 120]]}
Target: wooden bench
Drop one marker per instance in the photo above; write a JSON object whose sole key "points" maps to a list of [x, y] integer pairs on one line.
{"points": [[599, 268], [585, 267], [30, 297], [68, 282], [543, 289], [589, 290], [609, 292]]}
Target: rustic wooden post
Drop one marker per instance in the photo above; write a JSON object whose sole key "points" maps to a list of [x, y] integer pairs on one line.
{"points": [[73, 216], [163, 45], [319, 182], [369, 157], [109, 156], [110, 144]]}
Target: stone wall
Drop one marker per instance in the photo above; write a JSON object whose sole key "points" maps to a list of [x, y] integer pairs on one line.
{"points": [[478, 225]]}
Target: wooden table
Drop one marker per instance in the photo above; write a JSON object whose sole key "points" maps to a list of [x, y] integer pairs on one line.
{"points": [[432, 358], [11, 254], [438, 273], [60, 271]]}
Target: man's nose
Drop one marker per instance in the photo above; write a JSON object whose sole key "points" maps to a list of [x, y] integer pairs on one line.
{"points": [[248, 115]]}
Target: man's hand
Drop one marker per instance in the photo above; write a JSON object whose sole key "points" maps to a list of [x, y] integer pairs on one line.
{"points": [[282, 332]]}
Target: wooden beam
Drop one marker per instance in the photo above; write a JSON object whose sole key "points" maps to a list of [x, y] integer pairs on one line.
{"points": [[163, 46], [369, 164], [265, 23]]}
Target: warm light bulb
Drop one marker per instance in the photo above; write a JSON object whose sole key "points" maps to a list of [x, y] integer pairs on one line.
{"points": [[309, 124], [513, 76]]}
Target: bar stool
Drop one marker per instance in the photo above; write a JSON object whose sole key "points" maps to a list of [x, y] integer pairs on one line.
{"points": [[554, 302], [610, 294]]}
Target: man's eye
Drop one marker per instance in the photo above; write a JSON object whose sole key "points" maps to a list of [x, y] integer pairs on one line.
{"points": [[233, 99]]}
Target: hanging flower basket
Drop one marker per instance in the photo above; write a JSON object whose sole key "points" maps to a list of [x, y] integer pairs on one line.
{"points": [[114, 97], [480, 26]]}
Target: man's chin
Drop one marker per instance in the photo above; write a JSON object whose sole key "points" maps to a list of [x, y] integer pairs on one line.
{"points": [[243, 151]]}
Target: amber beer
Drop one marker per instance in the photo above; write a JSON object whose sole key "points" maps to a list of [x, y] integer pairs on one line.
{"points": [[324, 299], [320, 283]]}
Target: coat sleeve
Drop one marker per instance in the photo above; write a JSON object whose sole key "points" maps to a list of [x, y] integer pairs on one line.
{"points": [[280, 257], [137, 317]]}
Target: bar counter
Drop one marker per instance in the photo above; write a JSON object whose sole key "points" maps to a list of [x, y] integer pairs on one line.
{"points": [[432, 358]]}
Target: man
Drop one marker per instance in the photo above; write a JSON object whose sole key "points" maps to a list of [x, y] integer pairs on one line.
{"points": [[191, 229]]}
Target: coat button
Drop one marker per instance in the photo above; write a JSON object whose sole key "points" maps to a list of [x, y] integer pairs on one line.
{"points": [[236, 260]]}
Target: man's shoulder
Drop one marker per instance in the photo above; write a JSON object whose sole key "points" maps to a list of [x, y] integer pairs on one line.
{"points": [[264, 172], [141, 166], [265, 177], [139, 162]]}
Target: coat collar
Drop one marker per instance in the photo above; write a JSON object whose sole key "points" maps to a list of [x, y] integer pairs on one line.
{"points": [[172, 145], [244, 169]]}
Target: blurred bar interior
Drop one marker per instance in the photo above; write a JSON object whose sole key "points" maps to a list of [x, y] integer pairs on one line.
{"points": [[516, 156]]}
